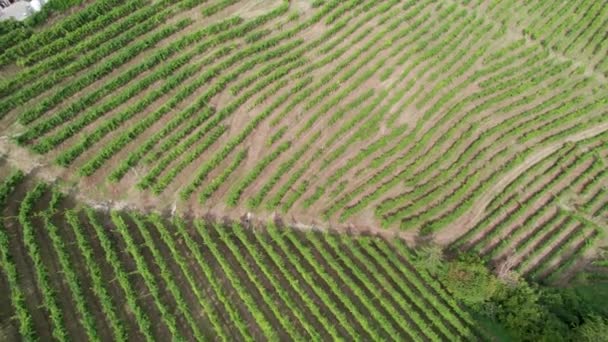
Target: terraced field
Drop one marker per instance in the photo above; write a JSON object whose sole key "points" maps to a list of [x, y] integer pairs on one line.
{"points": [[482, 124]]}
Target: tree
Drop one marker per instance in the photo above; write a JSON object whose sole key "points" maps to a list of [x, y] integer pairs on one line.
{"points": [[595, 329], [522, 313], [470, 280]]}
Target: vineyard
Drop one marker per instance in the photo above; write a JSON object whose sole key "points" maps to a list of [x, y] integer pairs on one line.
{"points": [[129, 276], [480, 125]]}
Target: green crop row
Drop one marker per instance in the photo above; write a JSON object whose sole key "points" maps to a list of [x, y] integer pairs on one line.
{"points": [[544, 230], [308, 275], [430, 287], [591, 24], [96, 45], [413, 39], [370, 257], [242, 291], [420, 300], [126, 137], [327, 323], [166, 274], [590, 173], [79, 34], [324, 38], [49, 295], [321, 266], [48, 143], [282, 169], [270, 274], [237, 190], [71, 23], [335, 15], [98, 283], [216, 182], [276, 136], [364, 116], [17, 296], [344, 78], [168, 68], [237, 88], [135, 156], [391, 304], [176, 255], [219, 290], [207, 167], [126, 54], [71, 278], [563, 246], [217, 6], [445, 137], [510, 242], [577, 256], [170, 156], [523, 206], [192, 125], [345, 129], [111, 256], [383, 141], [67, 156], [595, 180], [513, 216], [531, 220], [266, 293], [200, 147], [142, 269], [118, 143], [594, 201], [560, 122]]}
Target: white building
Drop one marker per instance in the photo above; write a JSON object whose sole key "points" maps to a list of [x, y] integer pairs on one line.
{"points": [[19, 9]]}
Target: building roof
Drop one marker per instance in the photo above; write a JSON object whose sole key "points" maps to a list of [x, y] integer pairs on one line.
{"points": [[19, 10]]}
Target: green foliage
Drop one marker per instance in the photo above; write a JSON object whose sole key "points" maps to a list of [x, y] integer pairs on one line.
{"points": [[168, 317], [593, 330], [520, 310], [524, 311], [430, 258], [470, 280]]}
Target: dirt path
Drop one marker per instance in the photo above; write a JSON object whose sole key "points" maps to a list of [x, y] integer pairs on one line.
{"points": [[461, 225]]}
